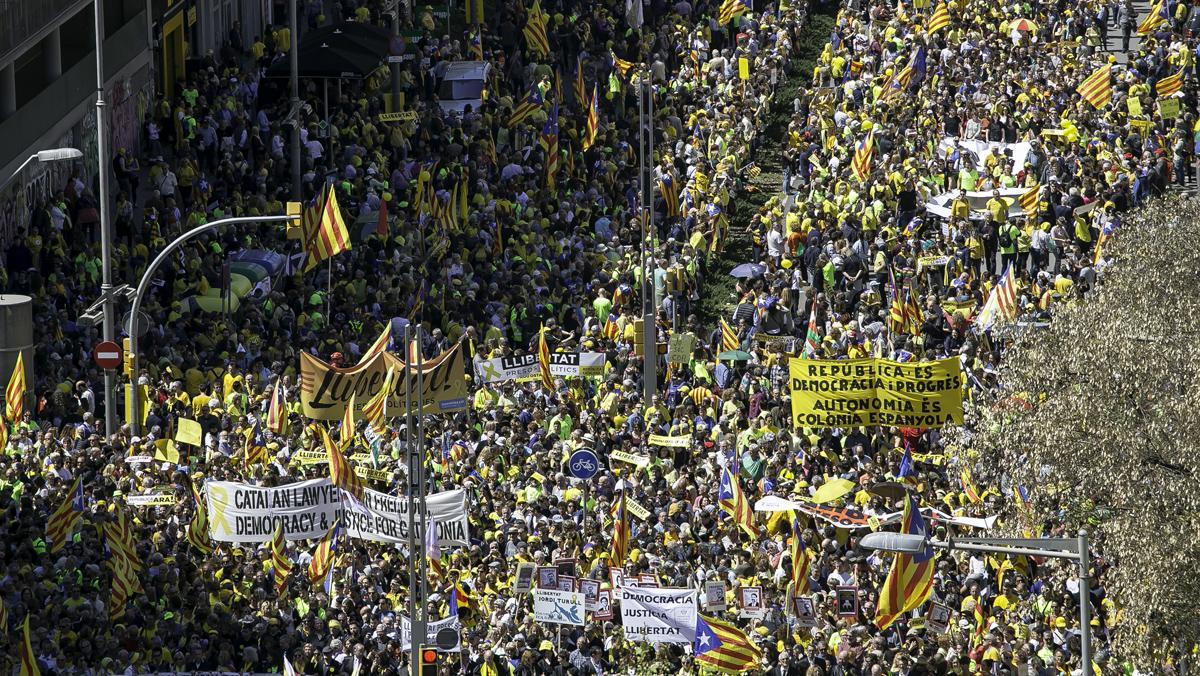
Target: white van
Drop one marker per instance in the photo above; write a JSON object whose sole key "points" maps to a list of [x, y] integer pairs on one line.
{"points": [[463, 85]]}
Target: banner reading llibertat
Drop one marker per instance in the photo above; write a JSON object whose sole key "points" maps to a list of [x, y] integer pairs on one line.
{"points": [[325, 390], [525, 367], [870, 392]]}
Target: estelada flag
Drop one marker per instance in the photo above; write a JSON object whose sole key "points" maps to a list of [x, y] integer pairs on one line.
{"points": [[910, 580], [1097, 88], [724, 647], [535, 30], [276, 413], [325, 233]]}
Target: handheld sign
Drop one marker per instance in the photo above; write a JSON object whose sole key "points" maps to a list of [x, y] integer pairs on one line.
{"points": [[583, 464]]}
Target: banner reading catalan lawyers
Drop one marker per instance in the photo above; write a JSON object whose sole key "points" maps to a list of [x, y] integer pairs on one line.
{"points": [[242, 513], [853, 392], [325, 390]]}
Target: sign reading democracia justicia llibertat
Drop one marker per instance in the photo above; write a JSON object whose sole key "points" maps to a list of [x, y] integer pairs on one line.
{"points": [[870, 392]]}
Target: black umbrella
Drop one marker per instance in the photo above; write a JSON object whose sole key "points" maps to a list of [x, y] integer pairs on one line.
{"points": [[351, 36], [346, 50]]}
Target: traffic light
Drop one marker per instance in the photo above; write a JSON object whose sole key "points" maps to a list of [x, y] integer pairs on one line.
{"points": [[429, 661], [639, 338], [294, 230], [128, 356]]}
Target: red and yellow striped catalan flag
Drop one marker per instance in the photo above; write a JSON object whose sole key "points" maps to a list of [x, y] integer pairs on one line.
{"points": [[1097, 88], [622, 533], [25, 654], [800, 560], [578, 85], [1169, 84], [593, 121], [1029, 200], [325, 233], [940, 18], [1158, 16], [340, 472], [729, 337], [66, 518], [281, 565], [860, 165], [379, 346], [322, 557], [730, 10], [197, 530], [14, 394], [376, 409], [622, 65], [544, 360]]}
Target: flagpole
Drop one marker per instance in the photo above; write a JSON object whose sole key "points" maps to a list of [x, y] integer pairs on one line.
{"points": [[328, 287], [419, 458], [412, 508]]}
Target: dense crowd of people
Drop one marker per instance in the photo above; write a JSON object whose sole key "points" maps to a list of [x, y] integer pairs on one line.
{"points": [[960, 116]]}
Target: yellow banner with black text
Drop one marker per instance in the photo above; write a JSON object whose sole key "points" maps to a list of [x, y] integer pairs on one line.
{"points": [[875, 392], [325, 390]]}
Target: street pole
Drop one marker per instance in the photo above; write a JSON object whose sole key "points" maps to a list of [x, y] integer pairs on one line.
{"points": [[135, 414], [418, 454], [414, 644], [1085, 602], [395, 65], [646, 150], [294, 58], [102, 167]]}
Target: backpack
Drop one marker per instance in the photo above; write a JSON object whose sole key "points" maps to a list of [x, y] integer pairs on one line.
{"points": [[1004, 238]]}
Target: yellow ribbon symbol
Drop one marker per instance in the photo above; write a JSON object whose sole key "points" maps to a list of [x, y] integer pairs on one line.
{"points": [[218, 501]]}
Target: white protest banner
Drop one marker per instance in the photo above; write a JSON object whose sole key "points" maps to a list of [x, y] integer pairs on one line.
{"points": [[552, 606], [241, 513], [572, 364], [502, 369], [564, 364], [150, 499], [654, 615], [386, 518], [431, 632]]}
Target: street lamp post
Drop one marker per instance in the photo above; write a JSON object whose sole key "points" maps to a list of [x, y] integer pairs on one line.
{"points": [[51, 155], [135, 413], [1075, 549], [108, 328]]}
